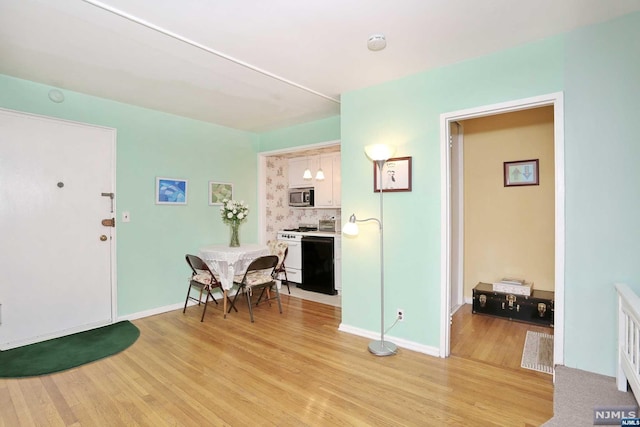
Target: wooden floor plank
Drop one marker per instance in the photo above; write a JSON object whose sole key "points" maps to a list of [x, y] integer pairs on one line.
{"points": [[290, 369]]}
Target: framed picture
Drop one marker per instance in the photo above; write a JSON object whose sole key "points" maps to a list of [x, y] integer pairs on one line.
{"points": [[396, 175], [218, 191], [523, 172], [171, 191]]}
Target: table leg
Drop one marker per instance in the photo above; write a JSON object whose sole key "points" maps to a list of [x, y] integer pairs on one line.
{"points": [[224, 296]]}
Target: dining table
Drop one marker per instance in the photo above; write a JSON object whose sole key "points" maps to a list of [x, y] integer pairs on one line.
{"points": [[229, 261]]}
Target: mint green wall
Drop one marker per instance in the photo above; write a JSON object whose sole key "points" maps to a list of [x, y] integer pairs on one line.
{"points": [[303, 134], [151, 271], [597, 67], [602, 111], [406, 113]]}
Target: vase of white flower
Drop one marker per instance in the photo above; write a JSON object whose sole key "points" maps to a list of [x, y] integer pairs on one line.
{"points": [[234, 213], [235, 235]]}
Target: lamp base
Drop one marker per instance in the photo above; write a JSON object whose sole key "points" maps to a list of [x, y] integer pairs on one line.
{"points": [[382, 348]]}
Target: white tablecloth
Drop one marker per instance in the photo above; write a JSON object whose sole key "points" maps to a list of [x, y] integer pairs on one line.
{"points": [[227, 261]]}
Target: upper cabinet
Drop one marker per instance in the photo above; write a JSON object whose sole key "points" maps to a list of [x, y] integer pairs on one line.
{"points": [[327, 191], [297, 167], [337, 181]]}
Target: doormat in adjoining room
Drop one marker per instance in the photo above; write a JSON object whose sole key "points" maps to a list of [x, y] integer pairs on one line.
{"points": [[537, 354]]}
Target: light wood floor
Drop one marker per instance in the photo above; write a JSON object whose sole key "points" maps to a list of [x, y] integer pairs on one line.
{"points": [[491, 340], [294, 369]]}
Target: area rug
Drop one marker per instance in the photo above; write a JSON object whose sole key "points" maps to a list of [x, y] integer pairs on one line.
{"points": [[67, 352], [537, 354]]}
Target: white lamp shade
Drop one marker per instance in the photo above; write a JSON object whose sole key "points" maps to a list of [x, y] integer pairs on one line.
{"points": [[319, 175], [350, 229], [380, 151], [307, 174]]}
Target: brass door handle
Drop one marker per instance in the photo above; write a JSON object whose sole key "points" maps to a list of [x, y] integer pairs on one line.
{"points": [[109, 222], [103, 238]]}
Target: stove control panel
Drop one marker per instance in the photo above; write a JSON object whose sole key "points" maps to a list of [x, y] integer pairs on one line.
{"points": [[289, 236]]}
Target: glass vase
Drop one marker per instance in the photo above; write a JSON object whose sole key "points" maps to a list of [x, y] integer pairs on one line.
{"points": [[235, 235]]}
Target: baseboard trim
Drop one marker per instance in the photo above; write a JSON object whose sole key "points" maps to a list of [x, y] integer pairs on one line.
{"points": [[400, 342], [159, 310], [152, 312]]}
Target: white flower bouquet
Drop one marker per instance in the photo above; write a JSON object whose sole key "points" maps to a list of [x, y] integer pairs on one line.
{"points": [[234, 212]]}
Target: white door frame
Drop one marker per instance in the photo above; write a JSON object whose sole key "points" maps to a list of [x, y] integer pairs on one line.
{"points": [[456, 248], [557, 101]]}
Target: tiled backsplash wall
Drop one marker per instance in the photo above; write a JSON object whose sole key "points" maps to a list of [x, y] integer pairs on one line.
{"points": [[279, 215]]}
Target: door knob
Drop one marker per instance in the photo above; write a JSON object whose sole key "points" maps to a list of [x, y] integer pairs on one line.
{"points": [[103, 238]]}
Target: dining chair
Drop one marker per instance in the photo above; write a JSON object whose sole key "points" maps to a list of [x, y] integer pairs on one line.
{"points": [[202, 279], [259, 276], [281, 250]]}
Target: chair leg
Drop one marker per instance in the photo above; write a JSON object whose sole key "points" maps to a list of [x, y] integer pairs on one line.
{"points": [[206, 302], [278, 298], [233, 302], [213, 298], [286, 281], [249, 303], [260, 297], [187, 300]]}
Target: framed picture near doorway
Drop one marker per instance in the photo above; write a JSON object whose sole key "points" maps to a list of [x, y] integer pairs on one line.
{"points": [[396, 175], [521, 173]]}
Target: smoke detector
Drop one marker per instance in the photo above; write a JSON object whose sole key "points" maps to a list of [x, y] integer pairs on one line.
{"points": [[377, 42], [56, 96]]}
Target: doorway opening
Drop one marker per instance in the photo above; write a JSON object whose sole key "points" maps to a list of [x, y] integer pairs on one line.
{"points": [[452, 220]]}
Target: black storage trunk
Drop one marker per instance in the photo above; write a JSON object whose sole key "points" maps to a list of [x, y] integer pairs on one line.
{"points": [[537, 308]]}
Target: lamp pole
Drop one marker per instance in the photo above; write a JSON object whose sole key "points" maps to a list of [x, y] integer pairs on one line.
{"points": [[381, 348]]}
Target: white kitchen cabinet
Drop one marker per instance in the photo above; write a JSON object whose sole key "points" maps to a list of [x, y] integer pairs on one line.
{"points": [[327, 191], [297, 167], [337, 181], [324, 189]]}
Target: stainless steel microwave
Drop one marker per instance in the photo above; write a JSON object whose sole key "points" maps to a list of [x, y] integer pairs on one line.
{"points": [[301, 197]]}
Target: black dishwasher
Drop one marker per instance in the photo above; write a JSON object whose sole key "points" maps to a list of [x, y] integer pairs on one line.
{"points": [[317, 265]]}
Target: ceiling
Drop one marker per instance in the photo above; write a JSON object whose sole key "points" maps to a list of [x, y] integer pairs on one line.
{"points": [[257, 65]]}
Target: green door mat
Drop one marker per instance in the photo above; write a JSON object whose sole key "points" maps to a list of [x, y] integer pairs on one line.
{"points": [[67, 352]]}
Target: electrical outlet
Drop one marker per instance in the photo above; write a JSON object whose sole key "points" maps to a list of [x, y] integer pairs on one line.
{"points": [[400, 315]]}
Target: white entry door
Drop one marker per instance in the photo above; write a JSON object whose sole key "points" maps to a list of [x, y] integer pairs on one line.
{"points": [[56, 254]]}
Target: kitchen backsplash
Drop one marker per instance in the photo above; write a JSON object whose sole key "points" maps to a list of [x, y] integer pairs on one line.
{"points": [[279, 215]]}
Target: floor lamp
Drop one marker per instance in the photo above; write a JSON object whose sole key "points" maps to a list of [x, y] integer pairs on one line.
{"points": [[379, 153]]}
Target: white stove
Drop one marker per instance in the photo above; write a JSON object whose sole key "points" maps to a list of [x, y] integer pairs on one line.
{"points": [[293, 238]]}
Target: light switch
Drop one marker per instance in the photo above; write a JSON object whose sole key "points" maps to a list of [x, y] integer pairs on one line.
{"points": [[126, 217]]}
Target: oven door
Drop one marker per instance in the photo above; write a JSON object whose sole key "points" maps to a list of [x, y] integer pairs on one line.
{"points": [[293, 263], [294, 257]]}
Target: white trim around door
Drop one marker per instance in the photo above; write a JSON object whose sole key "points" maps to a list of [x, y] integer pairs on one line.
{"points": [[557, 101]]}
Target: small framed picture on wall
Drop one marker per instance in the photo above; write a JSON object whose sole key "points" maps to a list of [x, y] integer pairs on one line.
{"points": [[520, 173], [396, 175], [171, 191], [218, 191]]}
